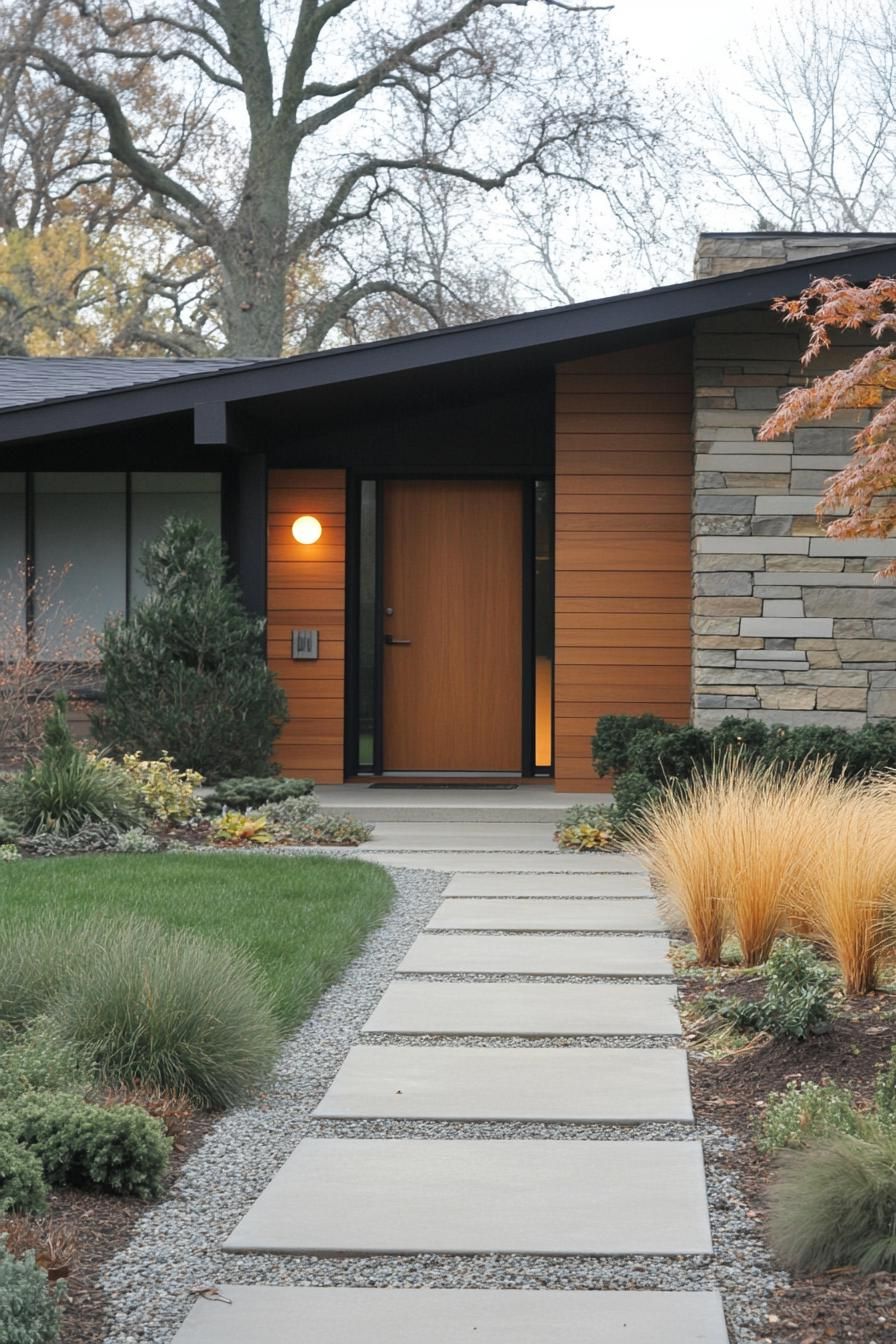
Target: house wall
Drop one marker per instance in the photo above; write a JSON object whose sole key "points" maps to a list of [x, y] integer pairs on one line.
{"points": [[790, 626], [623, 553], [306, 588]]}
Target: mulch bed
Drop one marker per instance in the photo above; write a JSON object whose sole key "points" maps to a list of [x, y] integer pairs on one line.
{"points": [[841, 1306], [98, 1226]]}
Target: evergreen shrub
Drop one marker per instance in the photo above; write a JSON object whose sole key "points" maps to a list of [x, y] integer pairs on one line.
{"points": [[185, 674], [29, 1307]]}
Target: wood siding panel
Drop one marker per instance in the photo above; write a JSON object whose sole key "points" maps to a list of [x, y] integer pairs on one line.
{"points": [[306, 587], [624, 462]]}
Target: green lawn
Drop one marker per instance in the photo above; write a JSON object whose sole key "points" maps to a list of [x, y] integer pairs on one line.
{"points": [[303, 919]]}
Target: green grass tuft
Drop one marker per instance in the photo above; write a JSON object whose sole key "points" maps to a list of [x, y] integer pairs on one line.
{"points": [[833, 1204]]}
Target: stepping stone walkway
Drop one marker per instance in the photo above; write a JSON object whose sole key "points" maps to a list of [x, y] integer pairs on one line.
{"points": [[471, 954], [558, 915]]}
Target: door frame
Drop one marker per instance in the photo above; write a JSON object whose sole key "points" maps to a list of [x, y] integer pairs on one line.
{"points": [[352, 618]]}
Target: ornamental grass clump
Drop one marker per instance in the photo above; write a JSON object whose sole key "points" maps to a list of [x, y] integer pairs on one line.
{"points": [[833, 1204], [170, 1010], [848, 901]]}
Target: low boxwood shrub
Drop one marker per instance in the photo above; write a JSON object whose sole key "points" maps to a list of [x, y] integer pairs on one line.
{"points": [[251, 791], [833, 1203], [798, 997], [170, 1010], [119, 1149], [807, 1111], [23, 1188], [616, 735], [29, 1307], [662, 752]]}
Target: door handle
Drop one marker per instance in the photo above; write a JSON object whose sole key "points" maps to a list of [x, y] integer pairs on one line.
{"points": [[390, 639]]}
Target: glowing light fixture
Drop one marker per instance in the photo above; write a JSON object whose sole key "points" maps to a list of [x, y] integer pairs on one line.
{"points": [[307, 530]]}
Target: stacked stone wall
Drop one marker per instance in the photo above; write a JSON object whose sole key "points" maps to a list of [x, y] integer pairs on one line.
{"points": [[790, 626]]}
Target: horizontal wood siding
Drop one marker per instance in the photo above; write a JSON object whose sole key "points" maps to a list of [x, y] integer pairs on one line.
{"points": [[623, 550], [306, 588]]}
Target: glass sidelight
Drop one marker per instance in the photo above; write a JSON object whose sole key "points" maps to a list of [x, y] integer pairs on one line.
{"points": [[543, 624], [367, 626]]}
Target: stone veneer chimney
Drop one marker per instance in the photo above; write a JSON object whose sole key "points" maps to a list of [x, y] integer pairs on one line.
{"points": [[722, 253]]}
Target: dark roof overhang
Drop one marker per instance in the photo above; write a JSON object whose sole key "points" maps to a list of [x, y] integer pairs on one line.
{"points": [[475, 356]]}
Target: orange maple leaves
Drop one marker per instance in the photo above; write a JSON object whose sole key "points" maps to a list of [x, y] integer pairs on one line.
{"points": [[836, 304]]}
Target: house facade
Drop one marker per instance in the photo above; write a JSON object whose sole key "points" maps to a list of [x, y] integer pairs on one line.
{"points": [[470, 544]]}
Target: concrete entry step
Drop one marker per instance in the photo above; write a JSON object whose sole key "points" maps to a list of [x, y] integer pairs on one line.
{"points": [[517, 837], [472, 861], [478, 1197], [476, 1083], [548, 916], [549, 884], [451, 1316], [537, 954], [513, 1008]]}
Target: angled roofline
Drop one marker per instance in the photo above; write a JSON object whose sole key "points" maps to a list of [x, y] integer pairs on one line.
{"points": [[547, 330]]}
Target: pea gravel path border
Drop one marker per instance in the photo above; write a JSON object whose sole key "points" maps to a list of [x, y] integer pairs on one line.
{"points": [[176, 1245]]}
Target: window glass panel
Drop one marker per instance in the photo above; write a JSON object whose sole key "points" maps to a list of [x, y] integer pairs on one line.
{"points": [[159, 495], [12, 559], [367, 628], [79, 544], [544, 624]]}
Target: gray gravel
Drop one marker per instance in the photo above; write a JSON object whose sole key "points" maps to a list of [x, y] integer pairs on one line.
{"points": [[174, 1247]]}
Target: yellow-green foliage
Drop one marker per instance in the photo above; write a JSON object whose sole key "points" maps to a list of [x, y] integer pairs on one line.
{"points": [[584, 836], [168, 794], [237, 828]]}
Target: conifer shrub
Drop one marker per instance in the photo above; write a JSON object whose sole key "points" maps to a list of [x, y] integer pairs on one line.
{"points": [[247, 792], [185, 674], [29, 1307], [119, 1149], [22, 1185]]}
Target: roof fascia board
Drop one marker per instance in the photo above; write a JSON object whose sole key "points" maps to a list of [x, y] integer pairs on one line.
{"points": [[548, 330]]}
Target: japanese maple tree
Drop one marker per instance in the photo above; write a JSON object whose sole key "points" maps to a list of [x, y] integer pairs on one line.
{"points": [[826, 306]]}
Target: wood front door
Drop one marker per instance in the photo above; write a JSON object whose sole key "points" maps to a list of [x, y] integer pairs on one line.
{"points": [[452, 595]]}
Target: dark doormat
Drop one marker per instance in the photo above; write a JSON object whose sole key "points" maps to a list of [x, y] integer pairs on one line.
{"points": [[400, 784]]}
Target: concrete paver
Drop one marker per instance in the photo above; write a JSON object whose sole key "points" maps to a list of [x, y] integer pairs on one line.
{"points": [[549, 884], [515, 1008], [535, 915], [572, 1084], [537, 954], [452, 1316], [472, 1196]]}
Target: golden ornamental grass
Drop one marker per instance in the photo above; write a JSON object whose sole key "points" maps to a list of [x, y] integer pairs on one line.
{"points": [[851, 898], [754, 850]]}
